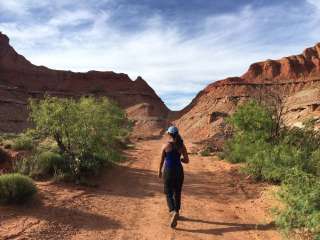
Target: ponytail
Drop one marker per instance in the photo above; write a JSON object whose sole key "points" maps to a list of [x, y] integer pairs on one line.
{"points": [[178, 141]]}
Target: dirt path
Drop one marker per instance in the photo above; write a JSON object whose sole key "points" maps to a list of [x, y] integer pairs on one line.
{"points": [[129, 204]]}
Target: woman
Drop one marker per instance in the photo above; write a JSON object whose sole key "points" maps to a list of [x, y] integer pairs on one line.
{"points": [[173, 171]]}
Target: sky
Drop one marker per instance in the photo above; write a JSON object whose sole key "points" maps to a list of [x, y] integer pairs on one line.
{"points": [[177, 46]]}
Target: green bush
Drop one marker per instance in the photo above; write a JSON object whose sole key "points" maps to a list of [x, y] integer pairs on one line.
{"points": [[47, 144], [22, 142], [253, 121], [290, 156], [206, 151], [7, 144], [313, 166], [42, 164], [301, 195], [16, 188], [49, 163], [252, 125], [86, 131], [240, 148], [271, 163], [268, 158]]}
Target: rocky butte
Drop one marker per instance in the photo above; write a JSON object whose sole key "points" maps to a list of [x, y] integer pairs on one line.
{"points": [[296, 77], [20, 80]]}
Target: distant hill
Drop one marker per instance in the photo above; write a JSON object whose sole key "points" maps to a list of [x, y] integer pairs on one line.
{"points": [[297, 78], [20, 80]]}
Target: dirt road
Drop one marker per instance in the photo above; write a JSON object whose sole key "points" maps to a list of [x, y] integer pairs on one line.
{"points": [[218, 203]]}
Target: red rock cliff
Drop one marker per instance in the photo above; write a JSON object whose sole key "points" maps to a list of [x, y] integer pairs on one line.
{"points": [[204, 117], [20, 79]]}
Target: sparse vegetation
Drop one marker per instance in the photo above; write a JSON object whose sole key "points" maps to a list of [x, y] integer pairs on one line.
{"points": [[16, 188], [50, 163], [205, 152], [22, 142], [287, 156], [42, 164], [71, 139], [76, 137], [301, 193]]}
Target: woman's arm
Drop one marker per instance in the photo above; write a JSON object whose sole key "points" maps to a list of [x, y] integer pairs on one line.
{"points": [[163, 155], [185, 155]]}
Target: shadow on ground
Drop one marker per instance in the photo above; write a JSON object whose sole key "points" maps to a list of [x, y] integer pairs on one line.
{"points": [[67, 216], [230, 227]]}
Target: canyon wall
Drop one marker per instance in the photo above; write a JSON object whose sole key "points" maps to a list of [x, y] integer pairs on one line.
{"points": [[295, 78], [21, 80]]}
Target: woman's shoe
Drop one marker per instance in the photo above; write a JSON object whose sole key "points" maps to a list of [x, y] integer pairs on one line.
{"points": [[174, 219]]}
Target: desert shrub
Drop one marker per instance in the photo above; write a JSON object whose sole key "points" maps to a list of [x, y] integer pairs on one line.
{"points": [[16, 188], [22, 142], [252, 125], [313, 165], [7, 139], [252, 121], [301, 195], [86, 131], [271, 163], [206, 151], [280, 155], [49, 163], [240, 148], [268, 158], [47, 144], [7, 144], [25, 165]]}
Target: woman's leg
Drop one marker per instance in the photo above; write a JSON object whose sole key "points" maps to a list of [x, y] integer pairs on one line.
{"points": [[170, 201], [168, 189], [178, 189]]}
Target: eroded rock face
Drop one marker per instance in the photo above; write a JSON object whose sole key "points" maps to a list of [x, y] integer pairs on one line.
{"points": [[20, 80], [298, 68], [289, 75], [202, 119]]}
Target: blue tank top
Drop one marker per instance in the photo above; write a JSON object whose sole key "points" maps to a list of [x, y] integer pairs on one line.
{"points": [[172, 159]]}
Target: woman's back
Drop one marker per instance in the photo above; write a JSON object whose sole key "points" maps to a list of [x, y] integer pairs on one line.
{"points": [[173, 154]]}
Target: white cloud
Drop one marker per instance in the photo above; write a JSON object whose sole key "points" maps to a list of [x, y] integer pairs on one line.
{"points": [[72, 18], [315, 3], [161, 53], [13, 6], [22, 7]]}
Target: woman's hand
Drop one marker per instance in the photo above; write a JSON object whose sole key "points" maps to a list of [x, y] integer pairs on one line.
{"points": [[183, 160], [160, 174]]}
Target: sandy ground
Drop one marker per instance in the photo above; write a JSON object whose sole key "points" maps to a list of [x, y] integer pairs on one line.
{"points": [[218, 203]]}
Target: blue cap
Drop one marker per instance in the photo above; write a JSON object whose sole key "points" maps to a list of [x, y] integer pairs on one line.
{"points": [[173, 130]]}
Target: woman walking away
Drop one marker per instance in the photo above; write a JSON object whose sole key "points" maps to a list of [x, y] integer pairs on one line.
{"points": [[173, 171]]}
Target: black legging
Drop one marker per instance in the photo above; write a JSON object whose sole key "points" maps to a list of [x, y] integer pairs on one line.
{"points": [[173, 181]]}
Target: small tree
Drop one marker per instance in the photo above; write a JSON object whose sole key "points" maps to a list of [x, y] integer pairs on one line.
{"points": [[252, 120], [252, 125], [85, 130], [275, 100], [273, 152]]}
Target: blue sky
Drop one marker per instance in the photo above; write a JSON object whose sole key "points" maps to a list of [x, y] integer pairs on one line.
{"points": [[177, 46]]}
